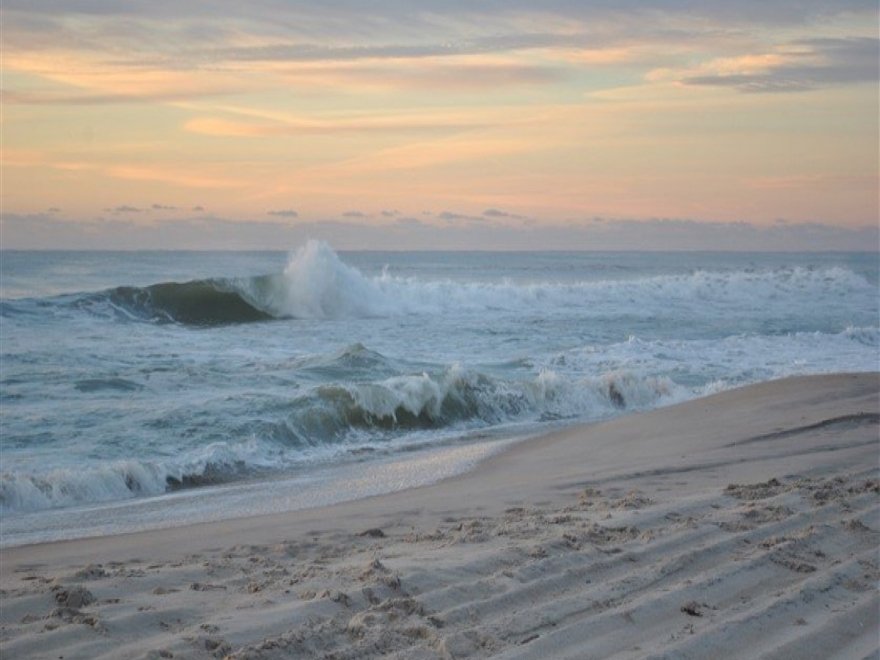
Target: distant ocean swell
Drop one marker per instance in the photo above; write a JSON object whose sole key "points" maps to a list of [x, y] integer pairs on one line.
{"points": [[316, 284]]}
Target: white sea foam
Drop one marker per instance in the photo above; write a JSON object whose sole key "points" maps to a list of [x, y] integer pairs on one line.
{"points": [[101, 406], [732, 360], [125, 479], [316, 284], [457, 398]]}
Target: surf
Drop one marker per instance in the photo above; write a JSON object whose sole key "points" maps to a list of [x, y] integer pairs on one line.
{"points": [[316, 284]]}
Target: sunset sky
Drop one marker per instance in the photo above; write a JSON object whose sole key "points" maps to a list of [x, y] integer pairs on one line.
{"points": [[440, 123]]}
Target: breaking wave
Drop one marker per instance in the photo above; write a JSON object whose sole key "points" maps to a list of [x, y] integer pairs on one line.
{"points": [[204, 302], [317, 284], [336, 418], [368, 401], [126, 479]]}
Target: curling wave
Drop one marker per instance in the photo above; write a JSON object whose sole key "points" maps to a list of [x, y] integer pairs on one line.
{"points": [[338, 418], [458, 396], [202, 302], [317, 284], [127, 479], [366, 401]]}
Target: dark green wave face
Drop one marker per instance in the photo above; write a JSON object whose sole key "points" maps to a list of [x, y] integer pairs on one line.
{"points": [[200, 303]]}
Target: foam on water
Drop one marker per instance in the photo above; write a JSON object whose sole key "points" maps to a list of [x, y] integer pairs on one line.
{"points": [[733, 360], [224, 377], [320, 486], [331, 420], [316, 284]]}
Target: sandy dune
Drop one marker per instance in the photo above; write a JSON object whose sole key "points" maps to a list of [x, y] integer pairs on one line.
{"points": [[746, 525]]}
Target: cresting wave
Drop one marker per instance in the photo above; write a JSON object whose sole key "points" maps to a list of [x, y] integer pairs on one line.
{"points": [[373, 403], [204, 302], [345, 417], [316, 284], [126, 479]]}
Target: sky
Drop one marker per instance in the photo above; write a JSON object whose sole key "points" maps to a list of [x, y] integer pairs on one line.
{"points": [[419, 124]]}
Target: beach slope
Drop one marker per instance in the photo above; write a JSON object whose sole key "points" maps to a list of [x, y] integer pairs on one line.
{"points": [[744, 524]]}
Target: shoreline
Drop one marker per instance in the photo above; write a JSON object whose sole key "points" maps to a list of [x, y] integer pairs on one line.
{"points": [[594, 497], [326, 484], [457, 460], [525, 444]]}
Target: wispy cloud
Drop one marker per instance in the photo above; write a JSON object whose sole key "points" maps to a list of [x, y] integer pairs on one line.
{"points": [[169, 173], [299, 126], [799, 66], [450, 216], [132, 51], [500, 108], [419, 14], [130, 54], [125, 208], [498, 213], [284, 213], [449, 74], [13, 97]]}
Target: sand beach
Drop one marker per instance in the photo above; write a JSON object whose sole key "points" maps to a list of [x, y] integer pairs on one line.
{"points": [[743, 524]]}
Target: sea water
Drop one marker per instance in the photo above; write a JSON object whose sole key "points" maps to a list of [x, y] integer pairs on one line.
{"points": [[149, 389]]}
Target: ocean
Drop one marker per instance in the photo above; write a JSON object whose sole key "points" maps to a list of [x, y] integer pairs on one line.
{"points": [[141, 390]]}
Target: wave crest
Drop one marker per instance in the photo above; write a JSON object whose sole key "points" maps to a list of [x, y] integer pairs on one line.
{"points": [[126, 479], [198, 303], [341, 417], [461, 397], [317, 284]]}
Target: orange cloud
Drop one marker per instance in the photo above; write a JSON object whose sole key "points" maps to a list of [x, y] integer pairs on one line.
{"points": [[104, 82], [297, 126], [177, 176], [723, 66]]}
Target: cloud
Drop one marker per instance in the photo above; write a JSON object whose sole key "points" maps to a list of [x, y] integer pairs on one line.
{"points": [[803, 65], [514, 114], [163, 207], [450, 216], [174, 174], [278, 126], [168, 52], [390, 214], [18, 97], [489, 215], [305, 16], [284, 213], [171, 35], [354, 214], [498, 213], [451, 73], [123, 209]]}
